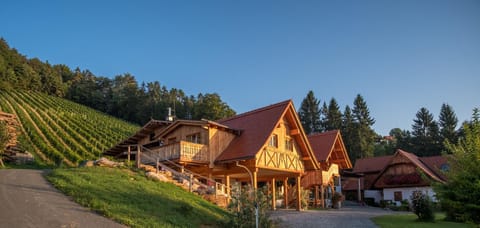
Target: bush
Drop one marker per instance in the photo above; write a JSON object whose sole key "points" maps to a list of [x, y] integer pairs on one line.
{"points": [[422, 206], [242, 207]]}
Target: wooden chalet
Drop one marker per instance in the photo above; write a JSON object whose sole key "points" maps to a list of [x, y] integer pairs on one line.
{"points": [[332, 156], [394, 178], [266, 145]]}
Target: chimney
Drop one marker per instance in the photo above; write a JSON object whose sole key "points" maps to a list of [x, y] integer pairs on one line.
{"points": [[170, 116]]}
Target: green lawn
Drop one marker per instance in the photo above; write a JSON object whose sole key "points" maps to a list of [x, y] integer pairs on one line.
{"points": [[410, 220], [129, 198]]}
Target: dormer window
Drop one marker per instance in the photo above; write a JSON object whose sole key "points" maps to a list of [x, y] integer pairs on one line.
{"points": [[273, 141], [194, 138]]}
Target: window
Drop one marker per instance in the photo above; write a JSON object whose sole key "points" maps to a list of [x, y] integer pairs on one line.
{"points": [[194, 138], [397, 196], [289, 144], [273, 141]]}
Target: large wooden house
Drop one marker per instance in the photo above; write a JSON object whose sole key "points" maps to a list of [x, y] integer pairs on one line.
{"points": [[394, 178], [266, 146]]}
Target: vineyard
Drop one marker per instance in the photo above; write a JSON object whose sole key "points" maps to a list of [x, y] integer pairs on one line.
{"points": [[57, 131]]}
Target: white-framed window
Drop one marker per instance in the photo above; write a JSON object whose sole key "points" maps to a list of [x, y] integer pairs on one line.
{"points": [[273, 141], [194, 138]]}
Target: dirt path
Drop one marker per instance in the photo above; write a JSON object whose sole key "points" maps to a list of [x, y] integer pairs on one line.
{"points": [[28, 200], [352, 216]]}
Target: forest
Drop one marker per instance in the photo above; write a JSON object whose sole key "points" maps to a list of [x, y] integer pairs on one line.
{"points": [[121, 96]]}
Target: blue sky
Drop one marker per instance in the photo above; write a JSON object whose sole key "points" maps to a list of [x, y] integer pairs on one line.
{"points": [[400, 55]]}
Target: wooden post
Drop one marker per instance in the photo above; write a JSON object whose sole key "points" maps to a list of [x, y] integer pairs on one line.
{"points": [[128, 155], [359, 191], [255, 180], [227, 182], [273, 194], [138, 157], [299, 194], [191, 183], [316, 196], [156, 165], [322, 197], [285, 192]]}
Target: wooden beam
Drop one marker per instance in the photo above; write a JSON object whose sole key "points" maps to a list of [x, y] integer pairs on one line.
{"points": [[294, 131], [227, 183], [128, 155], [285, 192], [316, 196], [137, 157], [299, 194], [273, 194]]}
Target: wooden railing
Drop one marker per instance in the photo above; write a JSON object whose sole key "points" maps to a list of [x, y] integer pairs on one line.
{"points": [[182, 150], [193, 178]]}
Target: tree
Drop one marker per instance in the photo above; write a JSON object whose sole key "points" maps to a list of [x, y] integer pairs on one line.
{"points": [[333, 116], [363, 145], [448, 124], [425, 134], [210, 106], [348, 132], [460, 195], [309, 113]]}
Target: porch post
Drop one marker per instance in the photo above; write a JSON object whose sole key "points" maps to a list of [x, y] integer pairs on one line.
{"points": [[359, 192], [285, 192], [299, 194], [138, 157], [255, 180], [273, 194], [128, 154], [316, 196], [227, 182], [322, 198]]}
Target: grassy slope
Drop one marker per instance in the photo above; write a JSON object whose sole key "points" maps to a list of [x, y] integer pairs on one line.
{"points": [[131, 199], [410, 220], [55, 129]]}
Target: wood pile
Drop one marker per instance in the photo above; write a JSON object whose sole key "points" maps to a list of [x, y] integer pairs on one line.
{"points": [[13, 152]]}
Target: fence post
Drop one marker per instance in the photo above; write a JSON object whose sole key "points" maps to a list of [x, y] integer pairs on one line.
{"points": [[156, 164], [191, 182]]}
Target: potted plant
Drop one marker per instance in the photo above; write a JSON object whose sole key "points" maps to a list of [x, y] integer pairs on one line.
{"points": [[337, 200]]}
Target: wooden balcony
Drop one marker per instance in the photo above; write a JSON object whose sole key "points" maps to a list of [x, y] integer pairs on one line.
{"points": [[180, 151]]}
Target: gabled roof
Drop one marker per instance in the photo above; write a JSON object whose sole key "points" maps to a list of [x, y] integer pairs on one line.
{"points": [[371, 165], [256, 127], [415, 161], [177, 123], [146, 130], [324, 144]]}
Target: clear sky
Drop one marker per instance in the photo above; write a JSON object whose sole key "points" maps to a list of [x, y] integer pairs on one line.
{"points": [[400, 55]]}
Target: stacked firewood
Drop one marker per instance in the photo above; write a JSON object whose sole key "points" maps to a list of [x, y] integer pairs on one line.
{"points": [[13, 152]]}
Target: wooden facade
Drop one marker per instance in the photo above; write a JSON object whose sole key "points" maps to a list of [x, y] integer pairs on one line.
{"points": [[266, 146]]}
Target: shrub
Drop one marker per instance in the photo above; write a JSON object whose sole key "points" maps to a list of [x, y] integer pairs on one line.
{"points": [[422, 206], [242, 207]]}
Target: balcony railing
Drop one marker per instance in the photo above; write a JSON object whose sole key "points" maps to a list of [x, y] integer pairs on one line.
{"points": [[183, 151]]}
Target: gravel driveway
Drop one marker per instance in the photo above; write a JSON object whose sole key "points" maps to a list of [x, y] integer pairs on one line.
{"points": [[28, 200], [351, 216]]}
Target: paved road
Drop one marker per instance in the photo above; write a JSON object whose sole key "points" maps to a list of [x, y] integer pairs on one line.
{"points": [[352, 216], [28, 200]]}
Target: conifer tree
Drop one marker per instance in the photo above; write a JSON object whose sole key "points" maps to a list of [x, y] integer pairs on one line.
{"points": [[348, 132], [364, 141], [447, 121], [333, 116], [425, 134], [309, 113]]}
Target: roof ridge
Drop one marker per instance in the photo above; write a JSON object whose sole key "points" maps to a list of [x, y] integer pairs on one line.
{"points": [[324, 133], [268, 107]]}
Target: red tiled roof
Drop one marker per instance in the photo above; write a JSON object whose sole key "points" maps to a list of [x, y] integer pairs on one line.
{"points": [[435, 164], [323, 143], [256, 127], [416, 160], [373, 164]]}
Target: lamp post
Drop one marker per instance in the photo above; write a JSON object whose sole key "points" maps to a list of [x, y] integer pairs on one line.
{"points": [[254, 192]]}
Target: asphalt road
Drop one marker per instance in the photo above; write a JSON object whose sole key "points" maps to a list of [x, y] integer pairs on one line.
{"points": [[28, 200], [351, 217]]}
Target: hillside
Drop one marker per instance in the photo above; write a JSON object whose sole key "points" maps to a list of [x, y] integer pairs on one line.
{"points": [[57, 130]]}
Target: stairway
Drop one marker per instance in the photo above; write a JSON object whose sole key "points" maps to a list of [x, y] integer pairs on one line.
{"points": [[187, 179]]}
